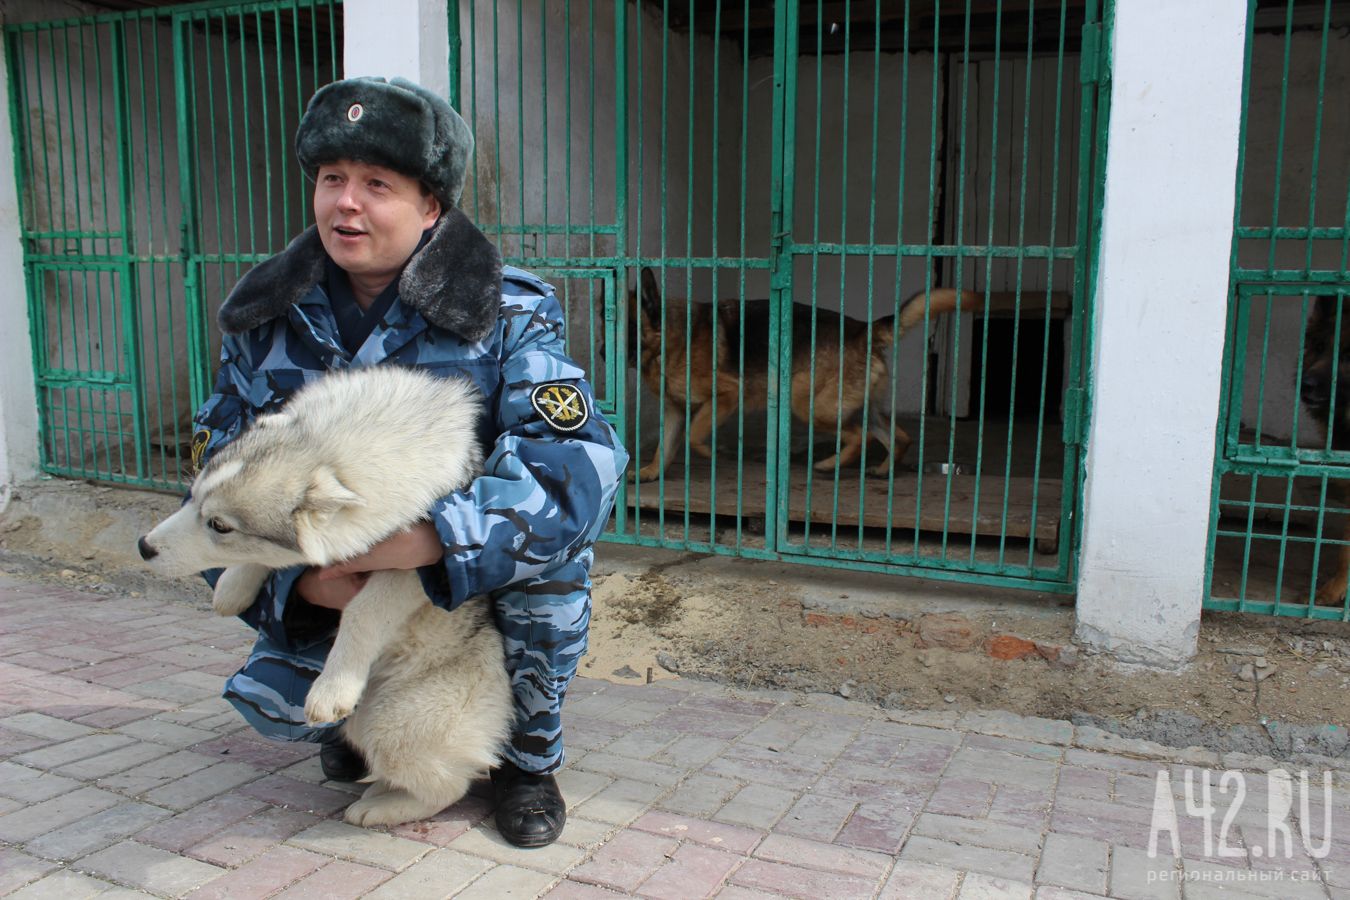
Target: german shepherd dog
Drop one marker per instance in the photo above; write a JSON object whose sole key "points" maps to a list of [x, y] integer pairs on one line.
{"points": [[1325, 362], [687, 343]]}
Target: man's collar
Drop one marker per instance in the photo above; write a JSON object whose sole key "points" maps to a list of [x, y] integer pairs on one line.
{"points": [[454, 280]]}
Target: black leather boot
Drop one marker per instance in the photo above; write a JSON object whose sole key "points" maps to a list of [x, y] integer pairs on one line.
{"points": [[530, 808], [340, 761]]}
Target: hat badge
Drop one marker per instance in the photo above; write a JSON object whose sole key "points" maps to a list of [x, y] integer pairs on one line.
{"points": [[354, 112]]}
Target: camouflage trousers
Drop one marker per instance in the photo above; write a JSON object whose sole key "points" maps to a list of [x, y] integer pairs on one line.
{"points": [[543, 620]]}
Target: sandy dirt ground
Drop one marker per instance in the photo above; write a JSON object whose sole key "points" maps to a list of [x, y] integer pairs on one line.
{"points": [[1262, 673], [1257, 684]]}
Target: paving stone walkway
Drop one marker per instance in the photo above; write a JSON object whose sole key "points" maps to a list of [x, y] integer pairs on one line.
{"points": [[123, 773]]}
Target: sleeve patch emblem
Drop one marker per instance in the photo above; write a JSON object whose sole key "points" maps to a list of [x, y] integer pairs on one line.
{"points": [[200, 439], [562, 405]]}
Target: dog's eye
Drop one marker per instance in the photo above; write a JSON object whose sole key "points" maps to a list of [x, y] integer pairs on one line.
{"points": [[218, 526]]}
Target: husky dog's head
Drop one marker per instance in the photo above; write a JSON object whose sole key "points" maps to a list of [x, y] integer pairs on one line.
{"points": [[259, 500]]}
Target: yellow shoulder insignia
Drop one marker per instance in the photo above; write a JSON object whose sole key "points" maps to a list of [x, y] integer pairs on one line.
{"points": [[200, 438], [561, 404]]}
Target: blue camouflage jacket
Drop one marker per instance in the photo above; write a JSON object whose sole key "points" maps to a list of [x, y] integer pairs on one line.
{"points": [[548, 482]]}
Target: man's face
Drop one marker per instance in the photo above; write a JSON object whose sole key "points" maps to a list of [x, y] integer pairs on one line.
{"points": [[370, 218]]}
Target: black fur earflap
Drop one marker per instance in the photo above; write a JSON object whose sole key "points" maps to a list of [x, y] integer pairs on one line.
{"points": [[268, 289], [455, 281]]}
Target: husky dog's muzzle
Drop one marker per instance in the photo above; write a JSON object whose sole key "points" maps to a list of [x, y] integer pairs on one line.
{"points": [[175, 546]]}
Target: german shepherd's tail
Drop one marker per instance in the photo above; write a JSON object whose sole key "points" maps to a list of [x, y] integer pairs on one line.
{"points": [[940, 300], [944, 300]]}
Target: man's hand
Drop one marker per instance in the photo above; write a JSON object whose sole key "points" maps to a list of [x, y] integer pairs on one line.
{"points": [[419, 546], [333, 593], [334, 586]]}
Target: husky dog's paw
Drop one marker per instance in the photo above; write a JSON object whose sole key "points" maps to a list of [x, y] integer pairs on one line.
{"points": [[332, 699], [384, 805], [237, 588]]}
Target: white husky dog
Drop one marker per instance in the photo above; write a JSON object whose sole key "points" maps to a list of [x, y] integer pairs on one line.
{"points": [[351, 459]]}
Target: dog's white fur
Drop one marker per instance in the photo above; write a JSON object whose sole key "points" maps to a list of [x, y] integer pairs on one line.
{"points": [[351, 459]]}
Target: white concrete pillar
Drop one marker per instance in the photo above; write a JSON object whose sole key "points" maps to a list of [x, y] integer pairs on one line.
{"points": [[18, 397], [405, 38], [1167, 225]]}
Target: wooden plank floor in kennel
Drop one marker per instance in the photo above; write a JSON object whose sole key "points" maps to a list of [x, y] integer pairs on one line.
{"points": [[869, 507], [1027, 486]]}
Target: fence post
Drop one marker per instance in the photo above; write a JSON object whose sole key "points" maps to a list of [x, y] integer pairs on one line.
{"points": [[1176, 78], [407, 38], [18, 400]]}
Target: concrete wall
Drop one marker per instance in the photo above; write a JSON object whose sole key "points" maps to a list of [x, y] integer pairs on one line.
{"points": [[1172, 146], [18, 403], [398, 38]]}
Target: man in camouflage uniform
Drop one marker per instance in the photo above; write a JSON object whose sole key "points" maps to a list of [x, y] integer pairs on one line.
{"points": [[393, 273]]}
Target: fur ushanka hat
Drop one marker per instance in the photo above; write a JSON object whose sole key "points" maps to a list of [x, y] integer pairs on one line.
{"points": [[396, 124]]}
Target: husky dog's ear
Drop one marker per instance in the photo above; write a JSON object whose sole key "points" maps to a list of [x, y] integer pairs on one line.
{"points": [[651, 295], [327, 495]]}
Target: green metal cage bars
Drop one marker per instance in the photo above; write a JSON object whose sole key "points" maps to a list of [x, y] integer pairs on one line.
{"points": [[1279, 542], [152, 154], [767, 158]]}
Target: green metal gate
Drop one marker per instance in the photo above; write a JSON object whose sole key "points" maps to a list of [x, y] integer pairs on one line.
{"points": [[154, 163], [787, 173], [1279, 536]]}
